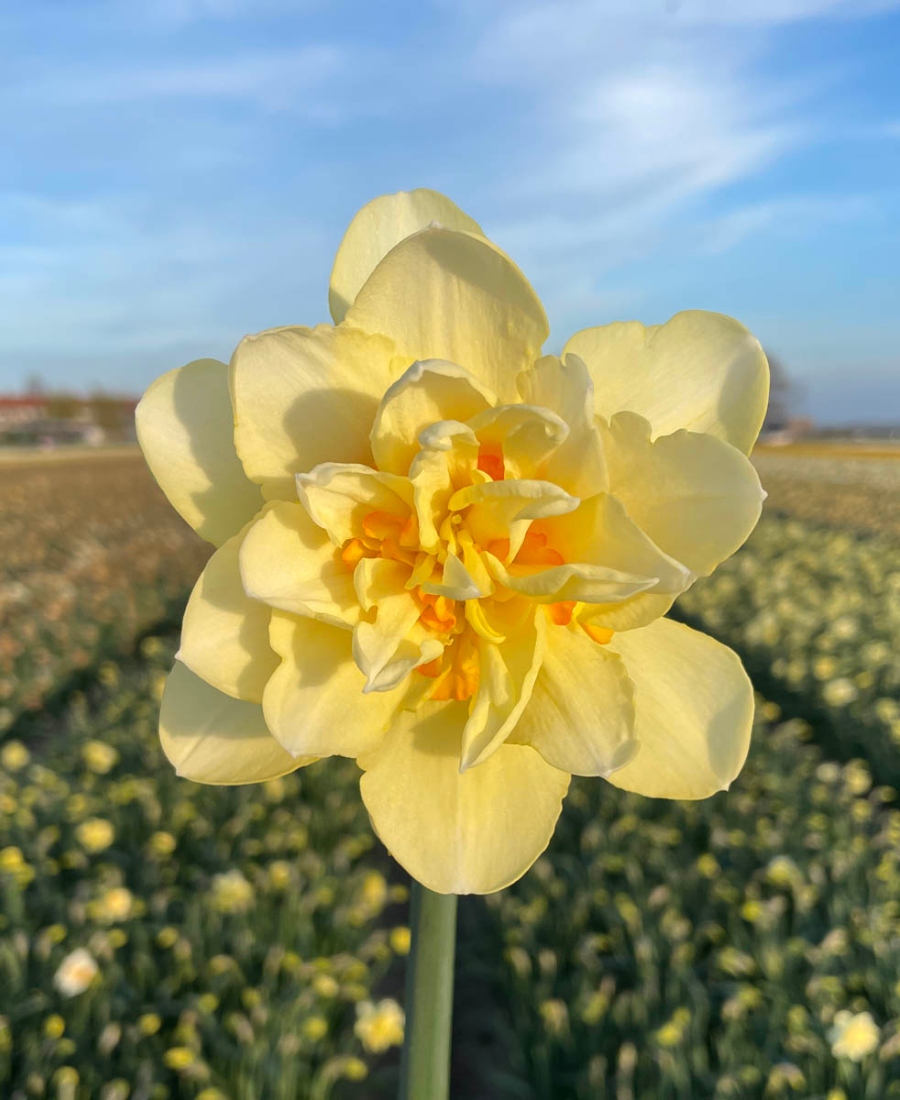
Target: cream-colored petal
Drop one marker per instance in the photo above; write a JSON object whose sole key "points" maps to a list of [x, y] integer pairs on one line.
{"points": [[506, 509], [458, 834], [390, 646], [211, 738], [578, 464], [508, 670], [289, 563], [432, 390], [339, 496], [636, 611], [600, 532], [571, 581], [185, 427], [523, 434], [225, 633], [456, 582], [581, 714], [448, 458], [693, 712], [381, 224], [700, 371], [445, 294], [314, 701], [304, 396], [696, 497]]}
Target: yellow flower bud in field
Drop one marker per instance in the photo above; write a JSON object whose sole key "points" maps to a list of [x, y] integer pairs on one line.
{"points": [[379, 1026]]}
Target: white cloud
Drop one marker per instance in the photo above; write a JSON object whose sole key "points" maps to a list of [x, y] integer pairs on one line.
{"points": [[786, 217], [274, 79]]}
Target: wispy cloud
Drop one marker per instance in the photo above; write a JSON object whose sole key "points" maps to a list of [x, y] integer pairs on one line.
{"points": [[789, 217], [273, 79], [178, 172]]}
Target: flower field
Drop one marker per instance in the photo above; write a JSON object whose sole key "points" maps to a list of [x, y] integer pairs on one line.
{"points": [[92, 556], [814, 610], [160, 939]]}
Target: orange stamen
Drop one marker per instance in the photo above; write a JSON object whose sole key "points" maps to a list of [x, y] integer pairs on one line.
{"points": [[382, 525], [352, 553], [561, 612], [599, 634], [491, 464], [390, 549], [409, 533], [535, 551], [438, 613], [460, 672]]}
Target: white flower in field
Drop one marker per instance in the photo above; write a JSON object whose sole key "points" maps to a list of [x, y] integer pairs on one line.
{"points": [[231, 892], [845, 627], [853, 1036], [379, 1026], [840, 692], [115, 905], [75, 973]]}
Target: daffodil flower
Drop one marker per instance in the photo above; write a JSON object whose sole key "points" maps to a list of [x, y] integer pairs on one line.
{"points": [[450, 556]]}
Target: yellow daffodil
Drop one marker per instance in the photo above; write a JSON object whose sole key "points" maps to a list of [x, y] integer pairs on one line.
{"points": [[853, 1036], [449, 556], [379, 1026]]}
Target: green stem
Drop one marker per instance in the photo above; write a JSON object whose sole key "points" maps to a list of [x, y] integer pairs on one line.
{"points": [[425, 1066]]}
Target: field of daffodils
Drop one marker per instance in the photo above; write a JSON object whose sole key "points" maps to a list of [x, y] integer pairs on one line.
{"points": [[163, 940]]}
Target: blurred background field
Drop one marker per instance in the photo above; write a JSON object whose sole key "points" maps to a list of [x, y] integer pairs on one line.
{"points": [[160, 939]]}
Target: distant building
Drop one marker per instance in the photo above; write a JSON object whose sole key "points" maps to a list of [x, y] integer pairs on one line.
{"points": [[15, 411], [51, 420]]}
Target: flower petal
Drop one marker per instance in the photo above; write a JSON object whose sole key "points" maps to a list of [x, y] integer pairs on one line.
{"points": [[304, 396], [508, 672], [600, 532], [578, 464], [571, 581], [456, 582], [374, 231], [696, 497], [432, 390], [693, 712], [390, 647], [506, 509], [449, 456], [314, 701], [338, 496], [185, 427], [444, 294], [581, 714], [524, 435], [458, 834], [701, 371], [225, 633], [211, 738], [289, 563]]}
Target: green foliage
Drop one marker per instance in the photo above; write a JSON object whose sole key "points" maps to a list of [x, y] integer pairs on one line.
{"points": [[689, 949], [233, 929]]}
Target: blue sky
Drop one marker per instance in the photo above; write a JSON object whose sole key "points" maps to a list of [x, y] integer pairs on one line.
{"points": [[176, 173]]}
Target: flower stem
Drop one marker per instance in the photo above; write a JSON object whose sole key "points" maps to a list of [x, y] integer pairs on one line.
{"points": [[425, 1065]]}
